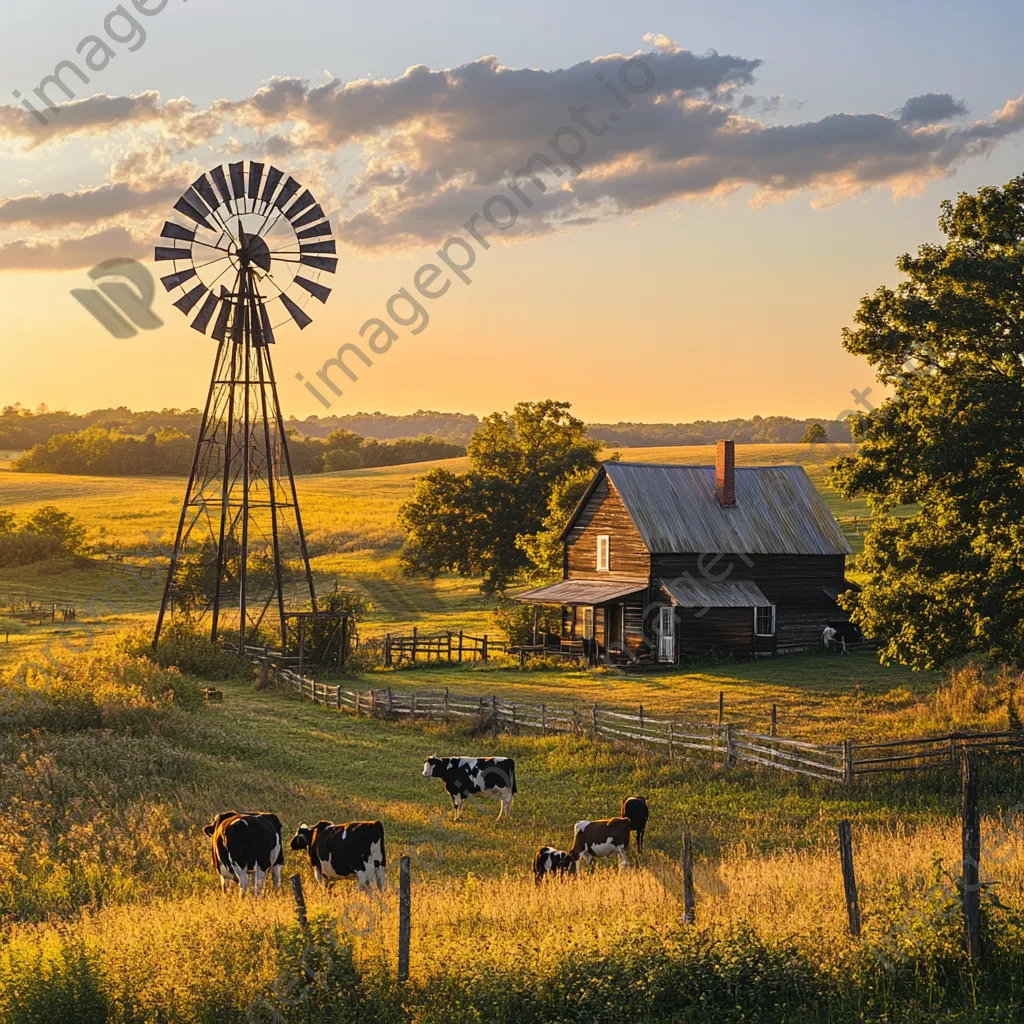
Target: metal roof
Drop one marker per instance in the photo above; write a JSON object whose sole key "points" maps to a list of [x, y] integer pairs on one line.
{"points": [[692, 593], [778, 511], [582, 592]]}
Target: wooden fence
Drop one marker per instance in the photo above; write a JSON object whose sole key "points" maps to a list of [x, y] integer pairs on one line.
{"points": [[720, 743], [447, 646]]}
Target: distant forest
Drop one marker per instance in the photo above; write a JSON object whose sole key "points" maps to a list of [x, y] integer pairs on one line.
{"points": [[22, 428]]}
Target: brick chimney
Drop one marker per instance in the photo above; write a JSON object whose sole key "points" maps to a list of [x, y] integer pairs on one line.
{"points": [[725, 474]]}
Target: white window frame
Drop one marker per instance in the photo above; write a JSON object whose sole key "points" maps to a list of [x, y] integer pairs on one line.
{"points": [[756, 610], [605, 540], [588, 622]]}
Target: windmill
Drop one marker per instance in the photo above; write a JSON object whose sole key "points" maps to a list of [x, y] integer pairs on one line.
{"points": [[248, 246]]}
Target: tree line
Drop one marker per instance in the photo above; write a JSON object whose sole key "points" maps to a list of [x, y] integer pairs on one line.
{"points": [[48, 533]]}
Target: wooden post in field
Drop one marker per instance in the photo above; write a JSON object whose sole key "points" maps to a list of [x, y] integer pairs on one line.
{"points": [[641, 727], [688, 911], [404, 918], [671, 739], [460, 646], [849, 877], [543, 720], [483, 649], [415, 641], [721, 706], [971, 864], [775, 720], [449, 635], [446, 705], [848, 762], [513, 718], [593, 721], [387, 650], [357, 703], [730, 749], [300, 901]]}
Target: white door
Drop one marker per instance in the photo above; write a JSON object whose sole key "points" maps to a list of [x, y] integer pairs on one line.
{"points": [[666, 634]]}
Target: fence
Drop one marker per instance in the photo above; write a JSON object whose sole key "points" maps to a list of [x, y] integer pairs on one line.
{"points": [[720, 743], [447, 646]]}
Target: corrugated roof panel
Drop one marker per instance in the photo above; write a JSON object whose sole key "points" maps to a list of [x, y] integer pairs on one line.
{"points": [[693, 593], [778, 511], [582, 592]]}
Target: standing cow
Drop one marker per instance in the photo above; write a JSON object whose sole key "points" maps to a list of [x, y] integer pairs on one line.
{"points": [[599, 839], [635, 808], [463, 777], [244, 843], [355, 849], [549, 861]]}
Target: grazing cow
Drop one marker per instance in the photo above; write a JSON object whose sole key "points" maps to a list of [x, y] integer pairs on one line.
{"points": [[343, 851], [598, 839], [465, 776], [244, 843], [549, 861], [635, 808]]}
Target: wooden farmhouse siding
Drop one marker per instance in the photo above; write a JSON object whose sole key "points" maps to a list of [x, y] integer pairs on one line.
{"points": [[665, 561]]}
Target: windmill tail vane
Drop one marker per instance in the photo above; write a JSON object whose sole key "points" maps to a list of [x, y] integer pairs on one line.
{"points": [[248, 247]]}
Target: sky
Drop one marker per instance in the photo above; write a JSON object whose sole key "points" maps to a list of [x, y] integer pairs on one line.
{"points": [[699, 261]]}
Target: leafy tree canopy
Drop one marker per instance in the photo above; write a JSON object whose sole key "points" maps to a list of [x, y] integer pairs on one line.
{"points": [[949, 342], [468, 523]]}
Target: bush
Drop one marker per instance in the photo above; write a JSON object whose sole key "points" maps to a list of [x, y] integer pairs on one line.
{"points": [[47, 533], [186, 646]]}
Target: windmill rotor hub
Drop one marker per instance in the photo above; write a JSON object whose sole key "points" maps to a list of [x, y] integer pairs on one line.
{"points": [[254, 251]]}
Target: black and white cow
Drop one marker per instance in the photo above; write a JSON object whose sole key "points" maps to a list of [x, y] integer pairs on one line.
{"points": [[244, 843], [635, 808], [355, 849], [465, 776], [592, 839], [549, 861]]}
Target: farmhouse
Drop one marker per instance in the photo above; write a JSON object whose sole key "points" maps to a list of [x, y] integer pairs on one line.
{"points": [[664, 561]]}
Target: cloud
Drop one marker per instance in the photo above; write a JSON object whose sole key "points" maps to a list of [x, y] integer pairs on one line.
{"points": [[72, 253], [932, 108]]}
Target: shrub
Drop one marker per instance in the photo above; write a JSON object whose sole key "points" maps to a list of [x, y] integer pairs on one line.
{"points": [[48, 533], [184, 645]]}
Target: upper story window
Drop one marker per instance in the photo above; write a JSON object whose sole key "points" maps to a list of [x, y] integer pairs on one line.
{"points": [[764, 621], [603, 546]]}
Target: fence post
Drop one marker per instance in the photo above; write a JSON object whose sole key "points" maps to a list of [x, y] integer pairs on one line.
{"points": [[593, 721], [641, 727], [721, 706], [446, 705], [373, 707], [671, 739], [460, 646], [449, 646], [543, 720], [337, 695], [387, 650], [483, 649], [412, 713], [415, 641], [688, 911], [357, 703], [576, 728], [970, 869], [775, 721], [730, 750], [849, 877], [494, 716], [391, 703], [404, 918], [300, 901], [848, 762]]}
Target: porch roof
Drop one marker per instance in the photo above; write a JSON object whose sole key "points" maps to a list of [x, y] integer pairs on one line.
{"points": [[586, 592], [691, 593]]}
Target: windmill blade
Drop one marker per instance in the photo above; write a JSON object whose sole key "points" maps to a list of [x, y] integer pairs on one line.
{"points": [[220, 328], [202, 319], [274, 177], [171, 281], [189, 299], [315, 230], [320, 263], [221, 181], [314, 288], [203, 187], [183, 206], [288, 189], [268, 330], [237, 179], [315, 214], [172, 230], [163, 253], [318, 247], [255, 177], [295, 312], [306, 199]]}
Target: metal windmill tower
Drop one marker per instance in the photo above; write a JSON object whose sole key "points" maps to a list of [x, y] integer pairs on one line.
{"points": [[248, 246]]}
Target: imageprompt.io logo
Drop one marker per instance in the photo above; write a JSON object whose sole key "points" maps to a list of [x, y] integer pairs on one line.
{"points": [[121, 308]]}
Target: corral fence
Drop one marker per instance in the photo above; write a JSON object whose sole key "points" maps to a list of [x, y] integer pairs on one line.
{"points": [[447, 646], [720, 743]]}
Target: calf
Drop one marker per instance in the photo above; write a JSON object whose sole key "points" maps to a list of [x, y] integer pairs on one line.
{"points": [[355, 849], [598, 839], [635, 808], [465, 776], [244, 843], [549, 861]]}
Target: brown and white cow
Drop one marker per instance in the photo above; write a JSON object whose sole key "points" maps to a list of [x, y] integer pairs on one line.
{"points": [[354, 849], [635, 808], [549, 861], [244, 843], [599, 839]]}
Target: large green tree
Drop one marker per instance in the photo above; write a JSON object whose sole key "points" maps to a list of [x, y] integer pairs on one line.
{"points": [[949, 341], [468, 523]]}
